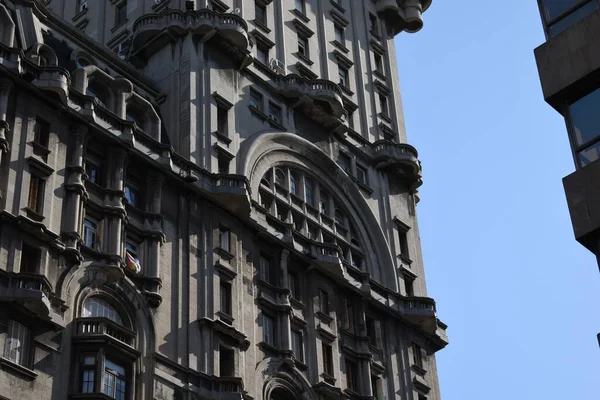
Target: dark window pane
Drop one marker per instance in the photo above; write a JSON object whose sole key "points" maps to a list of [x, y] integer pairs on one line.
{"points": [[572, 18], [584, 118], [590, 154], [554, 8]]}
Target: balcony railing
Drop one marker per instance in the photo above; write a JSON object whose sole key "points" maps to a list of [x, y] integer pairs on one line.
{"points": [[402, 157], [231, 26], [92, 327], [318, 89]]}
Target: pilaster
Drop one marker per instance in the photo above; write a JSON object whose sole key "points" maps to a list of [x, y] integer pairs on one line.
{"points": [[75, 192], [6, 86]]}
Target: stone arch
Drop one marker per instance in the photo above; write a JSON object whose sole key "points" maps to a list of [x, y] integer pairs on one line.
{"points": [[43, 55], [266, 149], [143, 113], [81, 58], [273, 376], [7, 27], [90, 279]]}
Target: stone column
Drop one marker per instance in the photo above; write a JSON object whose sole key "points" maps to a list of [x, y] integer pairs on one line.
{"points": [[154, 238], [285, 315], [365, 369], [75, 192], [6, 86], [115, 209], [364, 363]]}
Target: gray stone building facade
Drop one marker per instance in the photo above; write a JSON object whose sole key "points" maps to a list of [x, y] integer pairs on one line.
{"points": [[569, 69], [209, 200]]}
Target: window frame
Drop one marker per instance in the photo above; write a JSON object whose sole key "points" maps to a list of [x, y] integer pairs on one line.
{"points": [[575, 147], [298, 344], [41, 133], [226, 297], [24, 357], [550, 22], [95, 230], [303, 46], [37, 191], [129, 190], [339, 34], [225, 239], [256, 100], [302, 5], [120, 13], [269, 339], [263, 13]]}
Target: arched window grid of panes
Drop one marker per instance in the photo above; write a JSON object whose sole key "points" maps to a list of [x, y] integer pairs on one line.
{"points": [[95, 307], [293, 199]]}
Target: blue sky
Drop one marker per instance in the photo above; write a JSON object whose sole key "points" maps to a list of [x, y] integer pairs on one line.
{"points": [[520, 295]]}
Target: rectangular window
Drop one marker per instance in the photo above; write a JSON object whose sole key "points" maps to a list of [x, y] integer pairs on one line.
{"points": [[383, 104], [375, 387], [16, 346], [256, 100], [301, 6], [224, 235], [371, 330], [303, 46], [585, 127], [327, 359], [88, 373], [132, 196], [403, 238], [90, 233], [298, 345], [114, 380], [323, 301], [293, 282], [222, 120], [260, 13], [41, 133], [417, 355], [345, 163], [264, 272], [121, 12], [275, 112], [343, 74], [226, 362], [30, 259], [378, 62], [225, 291], [374, 26], [223, 165], [93, 172], [37, 187], [409, 286], [350, 317], [339, 34], [351, 375], [262, 53], [350, 120], [122, 49], [268, 330], [559, 15], [309, 192], [361, 174], [357, 260]]}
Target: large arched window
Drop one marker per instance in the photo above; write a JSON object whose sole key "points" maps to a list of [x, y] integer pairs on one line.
{"points": [[295, 197], [104, 351], [95, 307]]}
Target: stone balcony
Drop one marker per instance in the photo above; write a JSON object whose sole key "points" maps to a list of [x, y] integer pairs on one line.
{"points": [[405, 15], [320, 99], [420, 311], [148, 28], [400, 158], [33, 291], [50, 78], [233, 191], [104, 330]]}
